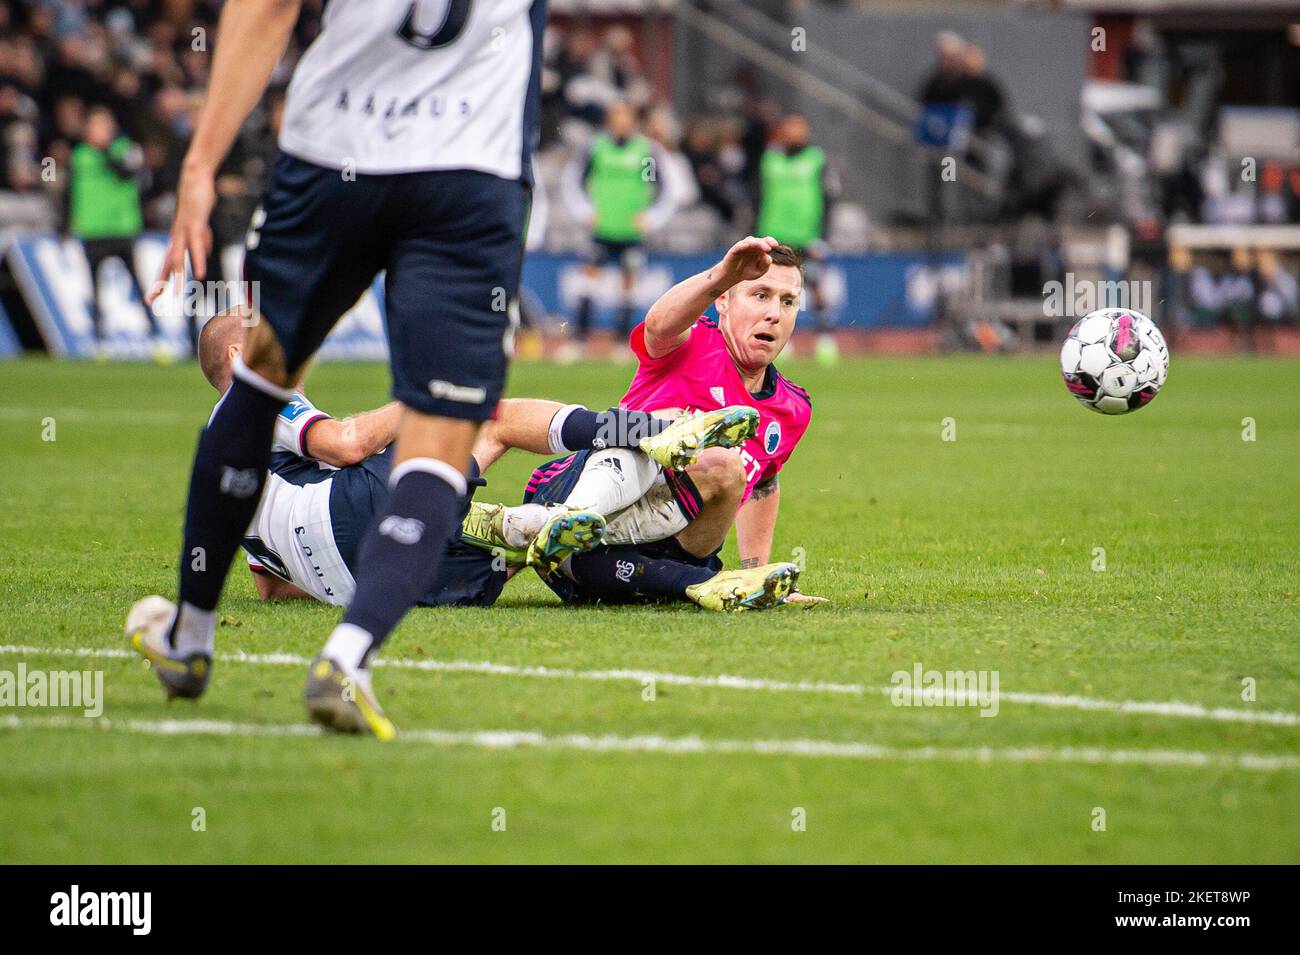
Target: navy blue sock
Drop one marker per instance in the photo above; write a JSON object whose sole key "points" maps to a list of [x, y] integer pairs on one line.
{"points": [[585, 429], [624, 572], [401, 553], [225, 486]]}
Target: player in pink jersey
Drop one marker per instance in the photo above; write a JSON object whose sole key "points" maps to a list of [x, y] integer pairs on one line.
{"points": [[697, 364], [661, 520]]}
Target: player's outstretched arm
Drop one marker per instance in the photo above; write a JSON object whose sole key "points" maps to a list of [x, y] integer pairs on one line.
{"points": [[352, 440], [253, 37], [670, 319]]}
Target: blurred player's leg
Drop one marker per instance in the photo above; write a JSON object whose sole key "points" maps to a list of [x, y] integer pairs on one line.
{"points": [[461, 234], [586, 304], [230, 465], [126, 255], [827, 348], [626, 306], [397, 563], [99, 251], [313, 259], [226, 480]]}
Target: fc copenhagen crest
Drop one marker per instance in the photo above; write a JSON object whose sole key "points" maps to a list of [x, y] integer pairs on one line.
{"points": [[772, 437]]}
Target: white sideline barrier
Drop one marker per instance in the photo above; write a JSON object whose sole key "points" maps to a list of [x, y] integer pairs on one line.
{"points": [[54, 278]]}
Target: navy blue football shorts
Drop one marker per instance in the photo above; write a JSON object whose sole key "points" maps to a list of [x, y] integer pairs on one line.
{"points": [[451, 244]]}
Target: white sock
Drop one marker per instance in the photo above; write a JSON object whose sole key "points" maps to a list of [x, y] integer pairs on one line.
{"points": [[347, 646], [196, 630], [553, 433], [612, 480], [520, 524]]}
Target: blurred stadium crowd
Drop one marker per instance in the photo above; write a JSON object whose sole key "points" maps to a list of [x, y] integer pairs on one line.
{"points": [[146, 62], [143, 61], [98, 99]]}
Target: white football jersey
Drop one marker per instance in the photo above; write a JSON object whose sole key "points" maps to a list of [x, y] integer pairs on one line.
{"points": [[291, 535], [393, 86], [291, 426]]}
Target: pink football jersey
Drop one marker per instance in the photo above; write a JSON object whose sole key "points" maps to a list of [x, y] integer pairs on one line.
{"points": [[699, 375]]}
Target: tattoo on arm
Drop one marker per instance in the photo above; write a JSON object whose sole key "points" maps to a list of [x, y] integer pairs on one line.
{"points": [[749, 562], [713, 291]]}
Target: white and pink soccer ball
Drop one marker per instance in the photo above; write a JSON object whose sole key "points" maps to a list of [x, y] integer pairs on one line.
{"points": [[1114, 360]]}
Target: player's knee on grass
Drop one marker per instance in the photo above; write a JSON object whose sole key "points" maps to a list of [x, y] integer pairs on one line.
{"points": [[718, 473]]}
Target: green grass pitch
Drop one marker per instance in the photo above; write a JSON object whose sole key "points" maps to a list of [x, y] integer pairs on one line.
{"points": [[978, 553]]}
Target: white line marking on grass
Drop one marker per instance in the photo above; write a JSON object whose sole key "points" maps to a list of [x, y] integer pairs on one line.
{"points": [[1172, 708], [694, 745]]}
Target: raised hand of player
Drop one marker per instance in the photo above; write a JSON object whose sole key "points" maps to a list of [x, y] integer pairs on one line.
{"points": [[749, 258], [195, 197]]}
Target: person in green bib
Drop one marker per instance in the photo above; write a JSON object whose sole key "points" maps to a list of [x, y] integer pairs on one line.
{"points": [[616, 189], [104, 205], [796, 188]]}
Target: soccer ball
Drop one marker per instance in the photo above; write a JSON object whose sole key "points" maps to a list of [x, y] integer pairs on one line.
{"points": [[1114, 360]]}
